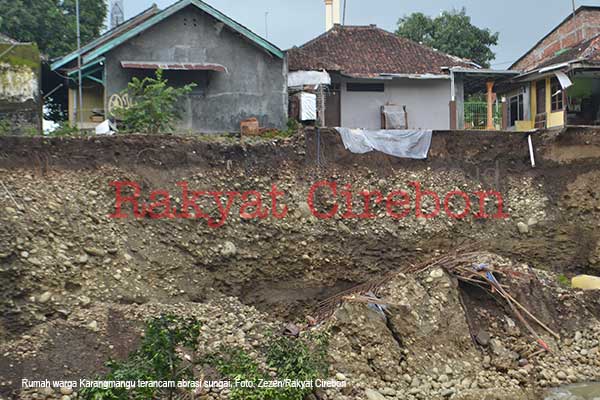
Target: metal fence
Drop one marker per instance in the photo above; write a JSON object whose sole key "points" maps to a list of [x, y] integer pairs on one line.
{"points": [[476, 115]]}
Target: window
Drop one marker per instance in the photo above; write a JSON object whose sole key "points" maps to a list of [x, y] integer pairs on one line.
{"points": [[365, 87], [557, 95], [515, 109]]}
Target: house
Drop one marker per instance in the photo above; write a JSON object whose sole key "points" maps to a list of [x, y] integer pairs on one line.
{"points": [[371, 68], [20, 77], [238, 74], [558, 82], [377, 79]]}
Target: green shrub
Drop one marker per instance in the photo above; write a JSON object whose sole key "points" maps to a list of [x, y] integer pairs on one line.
{"points": [[64, 129], [153, 105], [156, 360], [301, 359]]}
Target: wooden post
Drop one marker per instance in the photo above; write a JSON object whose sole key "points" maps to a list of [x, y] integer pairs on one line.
{"points": [[490, 105], [452, 107]]}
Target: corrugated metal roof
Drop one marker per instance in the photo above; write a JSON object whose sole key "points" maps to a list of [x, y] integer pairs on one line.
{"points": [[173, 66]]}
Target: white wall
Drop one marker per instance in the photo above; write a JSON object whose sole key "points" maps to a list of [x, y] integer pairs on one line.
{"points": [[427, 103]]}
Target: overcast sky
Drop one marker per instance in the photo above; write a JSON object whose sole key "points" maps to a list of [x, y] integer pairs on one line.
{"points": [[521, 23]]}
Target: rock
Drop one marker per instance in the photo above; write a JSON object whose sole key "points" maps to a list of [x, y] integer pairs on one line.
{"points": [[66, 390], [44, 297], [437, 273], [34, 261], [304, 210], [340, 377], [374, 395], [532, 221], [84, 300], [388, 391], [443, 378], [94, 251], [93, 326], [448, 370], [482, 337], [10, 210], [83, 259], [343, 228], [578, 336], [229, 249], [523, 227], [127, 257], [561, 375]]}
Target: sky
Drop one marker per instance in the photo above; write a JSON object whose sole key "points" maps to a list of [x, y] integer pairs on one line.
{"points": [[521, 23]]}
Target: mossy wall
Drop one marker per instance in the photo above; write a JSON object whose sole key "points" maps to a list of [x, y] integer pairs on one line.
{"points": [[20, 85]]}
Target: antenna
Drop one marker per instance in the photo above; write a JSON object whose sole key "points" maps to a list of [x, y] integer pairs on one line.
{"points": [[266, 24], [117, 13]]}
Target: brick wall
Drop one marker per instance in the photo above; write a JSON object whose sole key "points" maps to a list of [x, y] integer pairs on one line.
{"points": [[586, 25]]}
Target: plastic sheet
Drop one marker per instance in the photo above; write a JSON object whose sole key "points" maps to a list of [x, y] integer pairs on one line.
{"points": [[395, 142]]}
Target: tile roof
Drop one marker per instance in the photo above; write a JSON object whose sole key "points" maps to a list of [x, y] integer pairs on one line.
{"points": [[369, 51], [587, 51]]}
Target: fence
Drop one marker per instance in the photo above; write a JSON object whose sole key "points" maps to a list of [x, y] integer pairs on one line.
{"points": [[476, 115]]}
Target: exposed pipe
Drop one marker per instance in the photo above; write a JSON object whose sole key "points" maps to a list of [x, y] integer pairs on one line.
{"points": [[531, 156]]}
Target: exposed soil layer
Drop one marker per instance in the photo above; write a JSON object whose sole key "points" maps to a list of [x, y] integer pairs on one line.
{"points": [[60, 253]]}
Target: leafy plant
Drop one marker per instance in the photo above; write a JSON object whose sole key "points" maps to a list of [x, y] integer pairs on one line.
{"points": [[4, 127], [563, 280], [292, 127], [64, 129], [301, 359], [156, 360], [153, 106]]}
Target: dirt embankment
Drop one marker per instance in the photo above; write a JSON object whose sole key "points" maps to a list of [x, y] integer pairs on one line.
{"points": [[61, 254]]}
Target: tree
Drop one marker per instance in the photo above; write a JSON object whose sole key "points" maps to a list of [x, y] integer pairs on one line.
{"points": [[451, 32], [51, 24]]}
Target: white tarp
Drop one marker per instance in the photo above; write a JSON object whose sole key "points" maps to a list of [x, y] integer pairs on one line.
{"points": [[395, 142], [104, 128], [308, 106], [309, 78]]}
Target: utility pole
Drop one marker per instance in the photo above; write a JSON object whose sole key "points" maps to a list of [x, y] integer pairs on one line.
{"points": [[267, 24], [344, 15], [80, 88]]}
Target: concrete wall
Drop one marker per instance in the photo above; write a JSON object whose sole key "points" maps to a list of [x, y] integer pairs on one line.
{"points": [[427, 103], [20, 100], [253, 86]]}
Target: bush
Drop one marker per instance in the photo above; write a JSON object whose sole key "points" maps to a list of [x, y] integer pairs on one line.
{"points": [[156, 360], [302, 359], [153, 105]]}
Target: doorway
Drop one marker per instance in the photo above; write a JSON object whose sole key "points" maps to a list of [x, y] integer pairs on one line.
{"points": [[540, 99], [333, 106]]}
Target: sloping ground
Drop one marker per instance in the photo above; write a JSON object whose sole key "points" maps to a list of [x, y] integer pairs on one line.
{"points": [[65, 264]]}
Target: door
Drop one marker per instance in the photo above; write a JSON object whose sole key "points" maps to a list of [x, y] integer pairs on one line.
{"points": [[333, 106], [540, 99]]}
